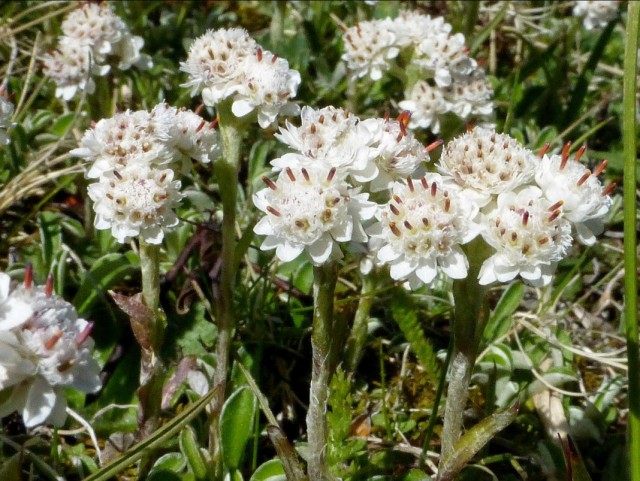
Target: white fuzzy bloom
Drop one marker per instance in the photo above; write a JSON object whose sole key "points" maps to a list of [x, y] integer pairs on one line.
{"points": [[137, 201], [71, 66], [445, 56], [268, 84], [189, 136], [470, 96], [215, 63], [422, 228], [127, 138], [370, 46], [396, 153], [595, 13], [329, 136], [13, 311], [46, 353], [411, 27], [486, 163], [529, 234], [426, 104], [311, 209], [584, 200], [6, 112]]}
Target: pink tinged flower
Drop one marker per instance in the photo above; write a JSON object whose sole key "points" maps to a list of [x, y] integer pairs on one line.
{"points": [[311, 210], [529, 235], [422, 228], [585, 201]]}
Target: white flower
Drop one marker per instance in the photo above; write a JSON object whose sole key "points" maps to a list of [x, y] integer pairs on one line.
{"points": [[584, 200], [6, 112], [268, 84], [128, 52], [369, 48], [422, 227], [127, 138], [13, 311], [426, 104], [470, 96], [311, 209], [596, 13], [329, 136], [529, 234], [444, 55], [70, 66], [411, 27], [189, 135], [136, 201], [215, 63], [52, 350], [396, 153], [485, 163]]}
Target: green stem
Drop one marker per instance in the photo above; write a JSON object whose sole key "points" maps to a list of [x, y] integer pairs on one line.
{"points": [[150, 270], [358, 336], [226, 171], [630, 236], [323, 349], [470, 315]]}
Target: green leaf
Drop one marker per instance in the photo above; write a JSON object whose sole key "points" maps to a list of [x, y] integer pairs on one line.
{"points": [[159, 437], [170, 462], [191, 451], [236, 425], [61, 126], [10, 468], [500, 320], [50, 238], [272, 470], [104, 273]]}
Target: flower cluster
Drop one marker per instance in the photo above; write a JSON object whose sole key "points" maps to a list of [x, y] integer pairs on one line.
{"points": [[132, 156], [442, 77], [317, 199], [6, 111], [595, 14], [44, 348], [92, 35], [229, 64]]}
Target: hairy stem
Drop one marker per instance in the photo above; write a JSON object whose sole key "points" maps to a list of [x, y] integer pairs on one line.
{"points": [[470, 314], [630, 236], [358, 336], [323, 348], [226, 171]]}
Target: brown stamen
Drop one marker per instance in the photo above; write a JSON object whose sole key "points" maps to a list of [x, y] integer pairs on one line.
{"points": [[84, 334], [202, 124], [525, 217], [425, 184], [331, 174], [290, 174], [580, 152], [544, 149], [425, 221], [397, 198], [48, 287], [408, 225], [394, 209], [305, 174], [556, 206], [565, 155], [28, 276], [117, 174], [270, 183], [410, 184], [53, 340], [259, 54], [273, 211], [600, 167], [434, 145], [584, 177], [554, 215], [447, 204], [394, 229], [434, 189], [608, 190]]}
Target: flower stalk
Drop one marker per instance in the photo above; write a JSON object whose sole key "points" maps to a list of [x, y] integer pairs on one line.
{"points": [[630, 237], [226, 171], [358, 336], [150, 270], [323, 349]]}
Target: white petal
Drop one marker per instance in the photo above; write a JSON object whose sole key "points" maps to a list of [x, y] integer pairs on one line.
{"points": [[343, 231], [14, 313], [427, 272], [584, 234], [487, 273], [270, 242], [41, 399], [5, 284], [401, 270], [263, 227], [455, 265], [320, 250], [15, 401], [387, 254], [242, 107], [287, 252]]}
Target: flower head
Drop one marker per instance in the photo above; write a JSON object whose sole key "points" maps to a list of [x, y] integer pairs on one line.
{"points": [[426, 104], [445, 56], [136, 201], [584, 199], [215, 63], [329, 136], [127, 138], [310, 209], [422, 228], [485, 163], [529, 234], [396, 153], [595, 13], [49, 351], [470, 96], [410, 27], [369, 48], [6, 112], [268, 84]]}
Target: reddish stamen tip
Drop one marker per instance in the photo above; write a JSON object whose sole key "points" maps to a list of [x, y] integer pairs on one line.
{"points": [[434, 145], [544, 149], [556, 206], [214, 123], [434, 189], [53, 340], [394, 229], [270, 183], [331, 174], [259, 54], [565, 155], [28, 276], [584, 177], [199, 109], [581, 152], [290, 174], [408, 225], [202, 124], [410, 184], [600, 168], [447, 204], [554, 215], [397, 199], [425, 184], [609, 189], [48, 287], [305, 174], [394, 209], [273, 211], [117, 174], [84, 334], [403, 120], [525, 217]]}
